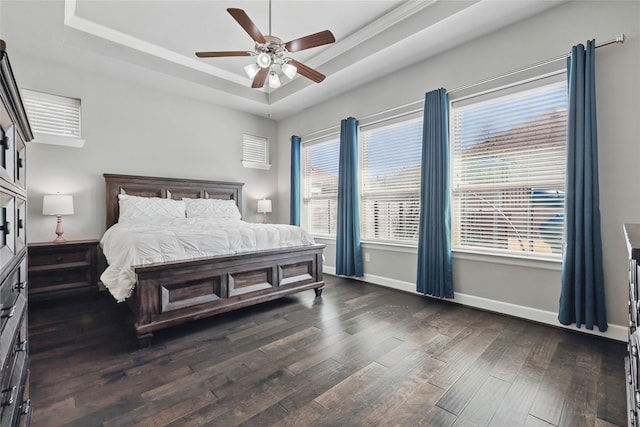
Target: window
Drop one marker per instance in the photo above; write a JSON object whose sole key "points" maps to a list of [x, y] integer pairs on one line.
{"points": [[390, 159], [508, 169], [54, 119], [319, 164], [255, 152]]}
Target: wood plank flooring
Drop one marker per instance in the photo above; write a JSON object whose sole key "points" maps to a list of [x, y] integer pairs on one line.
{"points": [[361, 355]]}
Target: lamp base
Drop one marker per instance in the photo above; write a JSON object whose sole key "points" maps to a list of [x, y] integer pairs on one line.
{"points": [[59, 231], [264, 217]]}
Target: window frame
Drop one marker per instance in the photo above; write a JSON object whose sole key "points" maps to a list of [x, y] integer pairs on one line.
{"points": [[515, 86], [70, 136], [410, 116], [304, 206], [257, 156]]}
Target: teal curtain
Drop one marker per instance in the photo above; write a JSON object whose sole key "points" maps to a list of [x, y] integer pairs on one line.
{"points": [[348, 249], [294, 203], [434, 241], [582, 299]]}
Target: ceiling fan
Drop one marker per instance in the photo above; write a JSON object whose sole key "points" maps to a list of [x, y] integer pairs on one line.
{"points": [[271, 53]]}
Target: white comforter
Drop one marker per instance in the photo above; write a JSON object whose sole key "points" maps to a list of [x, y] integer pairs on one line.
{"points": [[147, 241]]}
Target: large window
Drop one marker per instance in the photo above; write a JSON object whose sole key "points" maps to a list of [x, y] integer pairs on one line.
{"points": [[319, 164], [508, 169], [390, 155]]}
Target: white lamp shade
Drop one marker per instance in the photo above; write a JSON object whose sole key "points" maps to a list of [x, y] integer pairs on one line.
{"points": [[57, 204], [264, 206], [251, 70], [289, 70], [274, 81]]}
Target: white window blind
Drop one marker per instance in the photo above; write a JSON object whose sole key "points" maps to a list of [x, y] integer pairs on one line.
{"points": [[390, 157], [508, 169], [319, 164], [54, 119], [255, 152]]}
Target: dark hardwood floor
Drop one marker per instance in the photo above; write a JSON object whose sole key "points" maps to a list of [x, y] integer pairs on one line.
{"points": [[359, 355]]}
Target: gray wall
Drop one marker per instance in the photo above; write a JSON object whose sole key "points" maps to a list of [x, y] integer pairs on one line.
{"points": [[528, 289], [133, 129]]}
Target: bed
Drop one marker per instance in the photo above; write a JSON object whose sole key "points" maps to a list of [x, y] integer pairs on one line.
{"points": [[177, 291]]}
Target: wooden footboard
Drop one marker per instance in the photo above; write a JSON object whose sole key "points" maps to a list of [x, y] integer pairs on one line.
{"points": [[168, 294]]}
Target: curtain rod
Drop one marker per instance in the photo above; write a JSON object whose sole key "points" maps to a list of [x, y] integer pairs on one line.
{"points": [[619, 39]]}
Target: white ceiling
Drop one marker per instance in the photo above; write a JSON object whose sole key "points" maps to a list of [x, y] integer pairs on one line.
{"points": [[156, 40]]}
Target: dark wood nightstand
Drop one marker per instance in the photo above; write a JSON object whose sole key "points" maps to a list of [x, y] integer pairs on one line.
{"points": [[61, 269]]}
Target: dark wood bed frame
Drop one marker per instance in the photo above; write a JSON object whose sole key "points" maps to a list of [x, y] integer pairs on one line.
{"points": [[167, 294]]}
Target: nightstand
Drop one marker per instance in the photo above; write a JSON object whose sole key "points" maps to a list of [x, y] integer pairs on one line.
{"points": [[62, 269]]}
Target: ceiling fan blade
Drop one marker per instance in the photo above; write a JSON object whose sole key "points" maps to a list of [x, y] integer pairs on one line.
{"points": [[312, 40], [260, 78], [245, 22], [222, 54], [308, 72]]}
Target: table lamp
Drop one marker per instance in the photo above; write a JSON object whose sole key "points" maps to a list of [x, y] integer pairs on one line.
{"points": [[264, 206], [58, 205]]}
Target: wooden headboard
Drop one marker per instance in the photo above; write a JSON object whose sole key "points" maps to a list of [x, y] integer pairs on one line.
{"points": [[174, 188]]}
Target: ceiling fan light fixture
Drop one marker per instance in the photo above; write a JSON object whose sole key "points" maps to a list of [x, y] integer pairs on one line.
{"points": [[251, 70], [289, 70], [274, 80], [264, 60]]}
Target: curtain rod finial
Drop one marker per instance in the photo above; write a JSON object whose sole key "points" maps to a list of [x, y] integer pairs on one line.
{"points": [[620, 38]]}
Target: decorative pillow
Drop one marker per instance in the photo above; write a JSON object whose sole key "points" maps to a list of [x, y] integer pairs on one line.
{"points": [[211, 208], [150, 207]]}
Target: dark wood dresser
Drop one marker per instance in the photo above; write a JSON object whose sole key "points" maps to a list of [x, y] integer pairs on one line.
{"points": [[62, 269], [15, 406], [632, 235]]}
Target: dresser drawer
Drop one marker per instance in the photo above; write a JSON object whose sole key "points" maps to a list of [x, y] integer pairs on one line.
{"points": [[12, 344], [10, 289], [59, 258], [44, 281], [12, 403]]}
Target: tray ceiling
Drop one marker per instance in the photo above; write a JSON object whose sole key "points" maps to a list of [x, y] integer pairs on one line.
{"points": [[155, 41]]}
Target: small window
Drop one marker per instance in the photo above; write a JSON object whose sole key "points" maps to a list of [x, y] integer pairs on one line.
{"points": [[54, 119], [255, 152]]}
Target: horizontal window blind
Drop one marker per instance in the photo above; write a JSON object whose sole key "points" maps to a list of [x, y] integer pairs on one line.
{"points": [[255, 151], [390, 157], [319, 164], [52, 114], [508, 171]]}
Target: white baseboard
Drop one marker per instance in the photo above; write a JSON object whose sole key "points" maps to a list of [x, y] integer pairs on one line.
{"points": [[615, 332]]}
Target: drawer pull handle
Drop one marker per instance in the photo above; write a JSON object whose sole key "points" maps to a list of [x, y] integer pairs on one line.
{"points": [[6, 228], [26, 407], [9, 400], [11, 313], [20, 162], [5, 143], [19, 286], [22, 346], [20, 223]]}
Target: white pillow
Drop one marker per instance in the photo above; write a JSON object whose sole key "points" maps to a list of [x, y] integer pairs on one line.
{"points": [[150, 207], [212, 208]]}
